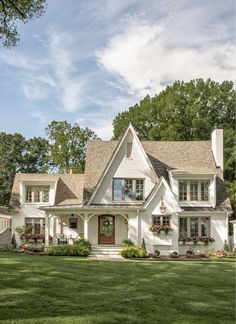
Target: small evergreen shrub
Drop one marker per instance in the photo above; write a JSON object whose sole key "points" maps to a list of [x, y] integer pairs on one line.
{"points": [[144, 245], [69, 250], [157, 252], [133, 252], [83, 244], [190, 251], [127, 242], [13, 242], [226, 246]]}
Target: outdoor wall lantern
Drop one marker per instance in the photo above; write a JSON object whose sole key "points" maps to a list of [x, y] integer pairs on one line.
{"points": [[162, 206]]}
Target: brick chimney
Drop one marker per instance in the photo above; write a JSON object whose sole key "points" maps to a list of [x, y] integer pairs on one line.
{"points": [[217, 147]]}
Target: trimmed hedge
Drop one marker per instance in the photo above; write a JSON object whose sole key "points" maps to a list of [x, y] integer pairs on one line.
{"points": [[133, 252], [69, 250]]}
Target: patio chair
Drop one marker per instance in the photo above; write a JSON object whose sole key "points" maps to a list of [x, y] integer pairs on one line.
{"points": [[61, 238]]}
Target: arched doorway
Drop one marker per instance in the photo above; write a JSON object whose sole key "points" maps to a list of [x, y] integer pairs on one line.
{"points": [[106, 229]]}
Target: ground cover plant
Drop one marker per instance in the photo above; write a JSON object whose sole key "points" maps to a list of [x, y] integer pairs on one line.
{"points": [[43, 289]]}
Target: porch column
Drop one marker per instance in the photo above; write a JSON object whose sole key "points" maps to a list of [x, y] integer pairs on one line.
{"points": [[46, 244], [54, 230], [86, 226], [138, 228]]}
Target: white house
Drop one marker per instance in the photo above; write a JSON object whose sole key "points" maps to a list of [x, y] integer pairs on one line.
{"points": [[129, 186]]}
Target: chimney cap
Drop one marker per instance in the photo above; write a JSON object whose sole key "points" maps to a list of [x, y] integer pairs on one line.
{"points": [[72, 169]]}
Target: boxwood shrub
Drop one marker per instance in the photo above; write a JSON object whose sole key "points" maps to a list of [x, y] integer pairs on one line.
{"points": [[68, 250], [133, 252]]}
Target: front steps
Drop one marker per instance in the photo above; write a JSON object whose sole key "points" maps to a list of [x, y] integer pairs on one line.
{"points": [[105, 250]]}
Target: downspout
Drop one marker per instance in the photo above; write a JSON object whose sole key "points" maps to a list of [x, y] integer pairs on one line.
{"points": [[138, 228]]}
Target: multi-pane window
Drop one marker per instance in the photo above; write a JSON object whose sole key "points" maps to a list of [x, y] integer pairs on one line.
{"points": [[37, 225], [128, 189], [73, 223], [194, 190], [194, 226], [182, 190], [204, 190], [183, 228], [37, 194], [160, 220]]}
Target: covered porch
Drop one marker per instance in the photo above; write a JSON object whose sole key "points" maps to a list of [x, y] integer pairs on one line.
{"points": [[99, 227]]}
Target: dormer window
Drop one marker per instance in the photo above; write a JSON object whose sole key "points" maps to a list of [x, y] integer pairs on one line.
{"points": [[129, 150], [194, 190], [37, 194]]}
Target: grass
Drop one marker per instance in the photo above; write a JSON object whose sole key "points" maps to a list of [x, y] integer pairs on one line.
{"points": [[43, 289]]}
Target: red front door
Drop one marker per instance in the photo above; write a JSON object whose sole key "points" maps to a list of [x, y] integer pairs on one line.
{"points": [[106, 229]]}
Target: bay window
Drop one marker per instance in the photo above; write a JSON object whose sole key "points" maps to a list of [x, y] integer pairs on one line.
{"points": [[128, 189]]}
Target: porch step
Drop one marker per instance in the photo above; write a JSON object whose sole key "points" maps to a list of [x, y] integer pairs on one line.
{"points": [[103, 250]]}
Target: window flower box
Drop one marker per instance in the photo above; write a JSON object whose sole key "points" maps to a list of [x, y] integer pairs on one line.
{"points": [[196, 240], [160, 229]]}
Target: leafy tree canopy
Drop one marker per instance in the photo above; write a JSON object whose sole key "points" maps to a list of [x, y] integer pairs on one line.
{"points": [[12, 11], [187, 111], [18, 154], [68, 145]]}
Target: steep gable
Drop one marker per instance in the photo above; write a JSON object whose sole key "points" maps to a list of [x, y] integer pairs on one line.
{"points": [[136, 165]]}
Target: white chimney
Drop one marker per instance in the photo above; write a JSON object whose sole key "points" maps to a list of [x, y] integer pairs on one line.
{"points": [[217, 147]]}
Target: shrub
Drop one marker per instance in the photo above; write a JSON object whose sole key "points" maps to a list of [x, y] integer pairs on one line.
{"points": [[190, 251], [226, 246], [127, 242], [28, 248], [144, 245], [174, 254], [13, 242], [83, 244], [132, 252], [157, 253], [69, 250]]}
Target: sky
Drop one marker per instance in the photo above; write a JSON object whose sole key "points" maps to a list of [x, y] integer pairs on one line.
{"points": [[85, 61]]}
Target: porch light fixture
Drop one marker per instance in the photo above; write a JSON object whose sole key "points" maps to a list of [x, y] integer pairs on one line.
{"points": [[162, 206]]}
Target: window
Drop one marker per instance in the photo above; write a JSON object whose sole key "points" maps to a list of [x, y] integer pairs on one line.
{"points": [[193, 190], [161, 220], [37, 194], [128, 189], [73, 223], [183, 232], [182, 190], [129, 149], [194, 226], [37, 224]]}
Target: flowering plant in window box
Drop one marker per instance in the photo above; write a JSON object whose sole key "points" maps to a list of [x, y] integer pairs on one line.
{"points": [[197, 239], [161, 228]]}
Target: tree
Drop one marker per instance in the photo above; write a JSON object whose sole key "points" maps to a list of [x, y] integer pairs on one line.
{"points": [[187, 111], [36, 157], [13, 10], [68, 145], [20, 155]]}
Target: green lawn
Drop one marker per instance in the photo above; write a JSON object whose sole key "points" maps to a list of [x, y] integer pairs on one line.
{"points": [[43, 289]]}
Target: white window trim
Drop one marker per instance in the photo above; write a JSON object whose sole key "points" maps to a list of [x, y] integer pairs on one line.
{"points": [[199, 224], [193, 203], [123, 190], [33, 192], [161, 219]]}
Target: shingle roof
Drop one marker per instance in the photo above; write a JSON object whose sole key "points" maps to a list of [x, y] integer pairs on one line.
{"points": [[69, 187], [193, 157], [181, 156]]}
